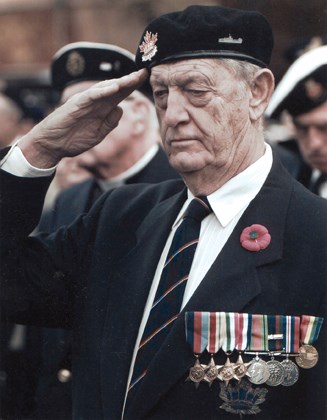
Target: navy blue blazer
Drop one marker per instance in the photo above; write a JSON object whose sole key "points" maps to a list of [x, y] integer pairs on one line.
{"points": [[95, 277]]}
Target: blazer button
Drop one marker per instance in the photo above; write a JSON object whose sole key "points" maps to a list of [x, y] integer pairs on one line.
{"points": [[64, 375]]}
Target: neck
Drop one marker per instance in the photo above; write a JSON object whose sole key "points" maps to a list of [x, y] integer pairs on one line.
{"points": [[209, 180], [121, 163]]}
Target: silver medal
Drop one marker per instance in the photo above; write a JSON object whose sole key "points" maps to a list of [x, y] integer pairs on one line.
{"points": [[291, 372], [258, 371], [276, 373]]}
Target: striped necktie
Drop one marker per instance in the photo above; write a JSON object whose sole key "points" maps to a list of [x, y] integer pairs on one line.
{"points": [[168, 300]]}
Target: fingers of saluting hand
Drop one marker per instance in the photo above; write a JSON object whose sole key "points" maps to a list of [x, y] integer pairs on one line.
{"points": [[113, 91], [80, 123]]}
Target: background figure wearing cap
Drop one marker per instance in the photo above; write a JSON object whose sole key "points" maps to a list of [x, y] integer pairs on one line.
{"points": [[130, 154], [10, 119], [302, 94], [99, 276]]}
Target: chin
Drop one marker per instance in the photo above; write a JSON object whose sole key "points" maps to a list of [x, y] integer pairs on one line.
{"points": [[185, 165]]}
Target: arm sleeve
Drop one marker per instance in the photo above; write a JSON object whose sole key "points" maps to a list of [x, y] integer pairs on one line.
{"points": [[15, 163], [40, 278]]}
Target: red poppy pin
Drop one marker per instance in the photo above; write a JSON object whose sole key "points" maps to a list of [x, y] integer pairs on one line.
{"points": [[255, 238]]}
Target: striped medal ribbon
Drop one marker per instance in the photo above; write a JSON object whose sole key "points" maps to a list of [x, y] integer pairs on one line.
{"points": [[275, 332], [291, 343], [258, 369], [258, 333], [291, 333], [197, 332], [215, 342], [309, 332], [241, 334], [228, 330]]}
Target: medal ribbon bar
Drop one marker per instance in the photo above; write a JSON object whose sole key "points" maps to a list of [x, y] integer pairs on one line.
{"points": [[291, 332], [258, 332], [197, 327], [310, 328]]}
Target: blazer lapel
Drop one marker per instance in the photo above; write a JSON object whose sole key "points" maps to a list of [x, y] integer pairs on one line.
{"points": [[230, 284], [140, 264]]}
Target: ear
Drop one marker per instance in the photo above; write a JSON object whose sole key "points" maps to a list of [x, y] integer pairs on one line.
{"points": [[262, 88], [140, 115]]}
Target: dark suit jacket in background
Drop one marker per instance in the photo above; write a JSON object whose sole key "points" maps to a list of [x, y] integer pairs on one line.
{"points": [[95, 277]]}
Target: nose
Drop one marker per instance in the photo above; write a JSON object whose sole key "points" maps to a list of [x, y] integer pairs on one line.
{"points": [[86, 159], [315, 137], [176, 110]]}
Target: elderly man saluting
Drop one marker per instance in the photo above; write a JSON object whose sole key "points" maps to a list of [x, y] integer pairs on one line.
{"points": [[201, 298]]}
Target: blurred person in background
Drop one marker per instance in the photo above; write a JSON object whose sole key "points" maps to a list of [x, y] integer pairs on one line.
{"points": [[130, 154], [301, 95], [10, 120], [23, 104]]}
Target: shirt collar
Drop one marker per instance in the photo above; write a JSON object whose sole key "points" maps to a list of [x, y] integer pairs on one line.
{"points": [[120, 179], [234, 196]]}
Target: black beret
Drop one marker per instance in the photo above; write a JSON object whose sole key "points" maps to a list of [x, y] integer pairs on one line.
{"points": [[206, 31], [84, 61], [303, 87]]}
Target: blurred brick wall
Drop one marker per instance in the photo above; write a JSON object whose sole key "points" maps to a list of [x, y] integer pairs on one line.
{"points": [[32, 31]]}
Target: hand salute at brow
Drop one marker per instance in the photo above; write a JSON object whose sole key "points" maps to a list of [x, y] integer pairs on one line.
{"points": [[79, 124]]}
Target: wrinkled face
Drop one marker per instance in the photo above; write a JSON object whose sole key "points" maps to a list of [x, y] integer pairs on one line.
{"points": [[69, 172], [118, 141], [203, 111], [311, 134]]}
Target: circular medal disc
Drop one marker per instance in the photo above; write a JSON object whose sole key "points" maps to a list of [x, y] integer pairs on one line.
{"points": [[211, 374], [240, 370], [291, 372], [276, 373], [197, 373], [226, 373], [308, 356], [258, 371]]}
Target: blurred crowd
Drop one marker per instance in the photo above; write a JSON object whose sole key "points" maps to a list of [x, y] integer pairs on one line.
{"points": [[35, 364]]}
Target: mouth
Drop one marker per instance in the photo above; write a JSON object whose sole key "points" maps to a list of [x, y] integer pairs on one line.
{"points": [[318, 159], [181, 142]]}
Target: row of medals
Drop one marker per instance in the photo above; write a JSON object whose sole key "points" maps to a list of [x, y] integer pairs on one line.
{"points": [[257, 371]]}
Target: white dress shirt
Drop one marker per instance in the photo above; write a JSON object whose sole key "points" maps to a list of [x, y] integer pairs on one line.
{"points": [[322, 190]]}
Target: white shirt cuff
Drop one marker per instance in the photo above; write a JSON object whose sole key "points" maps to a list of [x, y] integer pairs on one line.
{"points": [[16, 164]]}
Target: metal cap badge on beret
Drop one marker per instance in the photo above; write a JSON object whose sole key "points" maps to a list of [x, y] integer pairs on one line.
{"points": [[303, 87], [206, 31], [81, 61]]}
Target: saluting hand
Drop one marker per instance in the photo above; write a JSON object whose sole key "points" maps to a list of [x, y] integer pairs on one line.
{"points": [[79, 124]]}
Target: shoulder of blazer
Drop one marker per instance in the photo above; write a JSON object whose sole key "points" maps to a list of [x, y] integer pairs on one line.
{"points": [[79, 188], [131, 203]]}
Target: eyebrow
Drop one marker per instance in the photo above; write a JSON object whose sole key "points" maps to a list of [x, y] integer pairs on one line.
{"points": [[181, 81]]}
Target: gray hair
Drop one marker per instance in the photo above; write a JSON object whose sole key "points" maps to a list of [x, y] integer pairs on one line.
{"points": [[243, 70]]}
